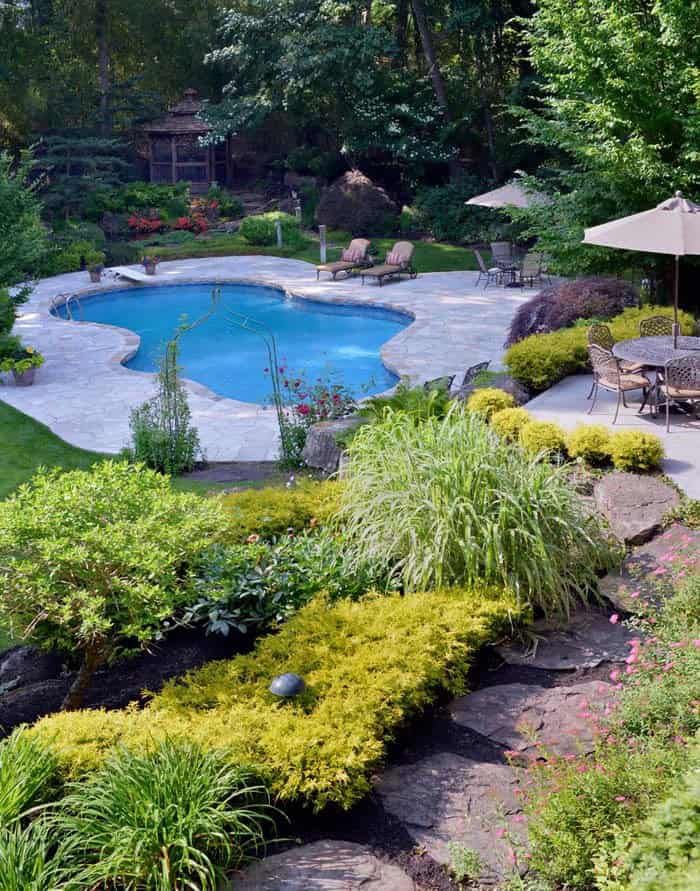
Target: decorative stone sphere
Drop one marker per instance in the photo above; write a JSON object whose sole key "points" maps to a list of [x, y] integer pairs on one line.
{"points": [[287, 685]]}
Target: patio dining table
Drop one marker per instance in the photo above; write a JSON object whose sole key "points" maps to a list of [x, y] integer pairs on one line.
{"points": [[655, 352]]}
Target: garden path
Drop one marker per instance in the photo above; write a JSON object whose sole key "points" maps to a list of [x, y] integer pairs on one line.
{"points": [[85, 395], [565, 403]]}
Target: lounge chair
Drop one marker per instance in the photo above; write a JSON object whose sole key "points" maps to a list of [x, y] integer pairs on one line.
{"points": [[353, 257], [399, 261]]}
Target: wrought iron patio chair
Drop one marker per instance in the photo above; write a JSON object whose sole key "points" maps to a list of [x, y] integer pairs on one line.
{"points": [[608, 375], [601, 335], [502, 254], [656, 326], [681, 384], [490, 273]]}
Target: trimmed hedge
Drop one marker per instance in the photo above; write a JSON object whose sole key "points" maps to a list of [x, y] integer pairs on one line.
{"points": [[272, 512], [543, 436], [540, 361], [369, 666], [487, 401], [636, 452]]}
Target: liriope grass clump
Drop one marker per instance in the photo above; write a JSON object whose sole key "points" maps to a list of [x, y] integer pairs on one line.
{"points": [[448, 502]]}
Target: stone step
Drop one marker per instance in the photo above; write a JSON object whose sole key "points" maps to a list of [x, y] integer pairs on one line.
{"points": [[633, 505], [323, 866]]}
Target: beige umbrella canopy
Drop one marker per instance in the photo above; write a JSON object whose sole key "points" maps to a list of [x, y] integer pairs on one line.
{"points": [[672, 227], [512, 194]]}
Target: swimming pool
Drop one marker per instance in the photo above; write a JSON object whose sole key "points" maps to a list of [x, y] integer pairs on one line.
{"points": [[314, 338]]}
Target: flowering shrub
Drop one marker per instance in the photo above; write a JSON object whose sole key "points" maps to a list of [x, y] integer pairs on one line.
{"points": [[196, 222], [21, 360], [147, 225], [305, 404]]}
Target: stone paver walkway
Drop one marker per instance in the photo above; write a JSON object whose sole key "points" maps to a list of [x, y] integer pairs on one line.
{"points": [[565, 403], [84, 393]]}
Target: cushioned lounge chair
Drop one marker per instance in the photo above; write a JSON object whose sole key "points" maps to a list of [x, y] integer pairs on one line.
{"points": [[399, 261], [358, 247]]}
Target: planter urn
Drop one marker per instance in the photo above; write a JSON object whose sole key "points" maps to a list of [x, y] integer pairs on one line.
{"points": [[95, 275], [149, 268], [24, 378]]}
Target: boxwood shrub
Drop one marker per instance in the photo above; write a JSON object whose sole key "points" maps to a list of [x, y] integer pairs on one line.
{"points": [[541, 360], [369, 667]]}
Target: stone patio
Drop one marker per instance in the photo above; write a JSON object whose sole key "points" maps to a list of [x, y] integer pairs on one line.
{"points": [[84, 393], [565, 403]]}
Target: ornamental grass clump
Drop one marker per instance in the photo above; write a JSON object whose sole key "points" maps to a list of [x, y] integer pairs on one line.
{"points": [[173, 818], [28, 776], [448, 502]]}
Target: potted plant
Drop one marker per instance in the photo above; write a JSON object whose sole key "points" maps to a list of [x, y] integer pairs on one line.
{"points": [[94, 262], [149, 263], [23, 363]]}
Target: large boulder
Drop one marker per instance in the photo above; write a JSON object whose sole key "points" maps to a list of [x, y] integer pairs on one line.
{"points": [[27, 665], [356, 204], [634, 505], [321, 449]]}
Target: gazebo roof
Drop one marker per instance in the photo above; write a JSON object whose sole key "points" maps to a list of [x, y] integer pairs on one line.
{"points": [[181, 118]]}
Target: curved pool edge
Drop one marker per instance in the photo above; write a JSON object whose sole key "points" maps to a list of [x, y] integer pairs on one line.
{"points": [[84, 393], [133, 340]]}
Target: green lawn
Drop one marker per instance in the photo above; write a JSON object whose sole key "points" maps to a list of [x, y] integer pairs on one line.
{"points": [[25, 445], [429, 256]]}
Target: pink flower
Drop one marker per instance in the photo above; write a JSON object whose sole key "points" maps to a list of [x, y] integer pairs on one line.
{"points": [[614, 619], [500, 832], [615, 675], [620, 798], [303, 409], [634, 594], [696, 642]]}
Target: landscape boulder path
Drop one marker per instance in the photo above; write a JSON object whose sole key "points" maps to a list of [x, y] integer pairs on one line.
{"points": [[467, 794]]}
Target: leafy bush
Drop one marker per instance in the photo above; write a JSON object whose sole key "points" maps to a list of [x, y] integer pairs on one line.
{"points": [[538, 437], [356, 204], [260, 229], [228, 204], [418, 402], [687, 513], [64, 259], [272, 512], [441, 211], [93, 560], [122, 253], [664, 848], [635, 451], [540, 361], [262, 584], [174, 817], [369, 666], [560, 305], [448, 502], [591, 442], [133, 196], [576, 807], [28, 773], [508, 422], [488, 400]]}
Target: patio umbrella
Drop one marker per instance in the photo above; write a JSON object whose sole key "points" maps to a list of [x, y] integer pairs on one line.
{"points": [[672, 227], [511, 194]]}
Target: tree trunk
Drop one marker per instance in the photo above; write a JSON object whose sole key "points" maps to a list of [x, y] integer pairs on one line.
{"points": [[103, 66], [94, 657], [426, 40], [439, 89], [401, 31]]}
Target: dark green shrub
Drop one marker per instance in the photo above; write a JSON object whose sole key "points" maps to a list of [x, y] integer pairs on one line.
{"points": [[122, 253], [441, 211], [418, 402]]}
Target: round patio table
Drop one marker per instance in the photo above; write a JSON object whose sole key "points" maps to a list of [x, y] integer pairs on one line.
{"points": [[655, 352]]}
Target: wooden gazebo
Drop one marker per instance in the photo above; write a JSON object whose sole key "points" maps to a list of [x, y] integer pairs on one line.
{"points": [[175, 152]]}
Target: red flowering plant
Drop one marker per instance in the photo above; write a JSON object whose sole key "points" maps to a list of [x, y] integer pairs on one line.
{"points": [[306, 403], [194, 223], [146, 225]]}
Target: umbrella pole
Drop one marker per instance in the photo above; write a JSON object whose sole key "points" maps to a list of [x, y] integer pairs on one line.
{"points": [[676, 326]]}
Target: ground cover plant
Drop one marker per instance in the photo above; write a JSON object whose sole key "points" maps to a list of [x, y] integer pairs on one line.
{"points": [[369, 666], [94, 561], [447, 502], [599, 821], [539, 361]]}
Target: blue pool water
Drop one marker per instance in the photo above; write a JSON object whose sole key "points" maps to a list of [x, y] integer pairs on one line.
{"points": [[314, 338]]}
